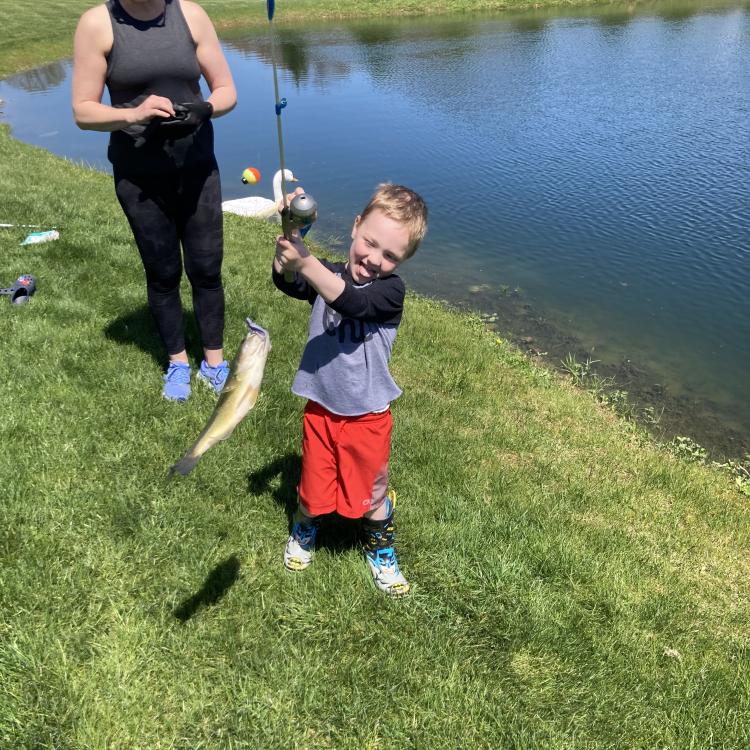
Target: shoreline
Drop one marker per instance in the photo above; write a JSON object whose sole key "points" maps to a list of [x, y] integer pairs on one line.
{"points": [[632, 388], [52, 36]]}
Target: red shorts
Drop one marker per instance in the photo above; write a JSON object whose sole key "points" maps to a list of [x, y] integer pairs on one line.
{"points": [[344, 461]]}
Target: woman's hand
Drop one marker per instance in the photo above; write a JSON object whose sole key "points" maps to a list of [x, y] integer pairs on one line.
{"points": [[151, 107]]}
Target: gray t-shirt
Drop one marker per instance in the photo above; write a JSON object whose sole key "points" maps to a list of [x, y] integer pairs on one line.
{"points": [[155, 57], [344, 366]]}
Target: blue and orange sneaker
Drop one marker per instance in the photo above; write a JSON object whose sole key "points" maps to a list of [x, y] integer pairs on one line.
{"points": [[300, 547], [214, 377], [177, 382], [385, 572], [380, 553]]}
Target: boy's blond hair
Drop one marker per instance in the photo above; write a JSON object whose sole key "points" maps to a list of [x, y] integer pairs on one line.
{"points": [[402, 205]]}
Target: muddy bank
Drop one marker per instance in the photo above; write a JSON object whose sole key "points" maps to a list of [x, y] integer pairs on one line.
{"points": [[646, 398]]}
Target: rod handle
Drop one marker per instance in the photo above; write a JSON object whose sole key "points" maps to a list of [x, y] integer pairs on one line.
{"points": [[299, 214], [287, 228]]}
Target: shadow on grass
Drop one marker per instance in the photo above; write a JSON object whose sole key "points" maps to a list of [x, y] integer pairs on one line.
{"points": [[139, 327], [219, 581], [285, 493], [337, 534]]}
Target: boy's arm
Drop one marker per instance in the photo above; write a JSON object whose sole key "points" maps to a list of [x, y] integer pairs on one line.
{"points": [[381, 301], [292, 255], [299, 288], [309, 272], [319, 276]]}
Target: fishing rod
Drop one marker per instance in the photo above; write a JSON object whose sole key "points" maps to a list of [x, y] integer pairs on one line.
{"points": [[25, 226], [303, 209]]}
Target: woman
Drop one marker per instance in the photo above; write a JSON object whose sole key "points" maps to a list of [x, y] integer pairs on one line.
{"points": [[151, 55]]}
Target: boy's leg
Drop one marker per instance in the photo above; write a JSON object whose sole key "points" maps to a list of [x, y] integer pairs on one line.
{"points": [[300, 547], [316, 491], [379, 535], [363, 453]]}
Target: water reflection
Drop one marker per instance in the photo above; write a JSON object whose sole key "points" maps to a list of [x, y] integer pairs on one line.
{"points": [[615, 19], [377, 33], [40, 79], [530, 24], [316, 53], [594, 159], [294, 55], [298, 55], [677, 11]]}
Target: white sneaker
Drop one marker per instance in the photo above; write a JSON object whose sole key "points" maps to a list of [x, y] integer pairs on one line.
{"points": [[300, 547], [384, 568]]}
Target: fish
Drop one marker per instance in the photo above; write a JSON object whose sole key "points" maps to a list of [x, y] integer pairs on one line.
{"points": [[236, 399]]}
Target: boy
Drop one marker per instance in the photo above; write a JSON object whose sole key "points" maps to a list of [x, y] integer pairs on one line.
{"points": [[356, 310]]}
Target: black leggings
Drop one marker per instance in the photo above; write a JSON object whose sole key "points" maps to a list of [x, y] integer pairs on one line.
{"points": [[165, 210]]}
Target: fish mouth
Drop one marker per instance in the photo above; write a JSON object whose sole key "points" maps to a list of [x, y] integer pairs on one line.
{"points": [[255, 328]]}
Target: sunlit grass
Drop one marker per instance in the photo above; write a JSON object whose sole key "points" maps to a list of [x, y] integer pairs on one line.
{"points": [[573, 585]]}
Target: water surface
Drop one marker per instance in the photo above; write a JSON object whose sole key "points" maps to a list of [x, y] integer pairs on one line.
{"points": [[596, 162]]}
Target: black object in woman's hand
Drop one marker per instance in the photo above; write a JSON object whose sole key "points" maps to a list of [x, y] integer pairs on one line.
{"points": [[189, 115]]}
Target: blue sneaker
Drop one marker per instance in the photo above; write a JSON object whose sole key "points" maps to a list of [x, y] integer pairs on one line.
{"points": [[177, 382], [384, 568], [300, 547], [215, 377]]}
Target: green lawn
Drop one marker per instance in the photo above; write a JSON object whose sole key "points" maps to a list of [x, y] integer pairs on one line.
{"points": [[574, 585]]}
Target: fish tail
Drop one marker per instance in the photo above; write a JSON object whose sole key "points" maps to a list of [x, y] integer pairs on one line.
{"points": [[185, 465]]}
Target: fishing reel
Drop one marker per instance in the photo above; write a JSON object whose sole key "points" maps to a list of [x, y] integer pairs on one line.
{"points": [[300, 214]]}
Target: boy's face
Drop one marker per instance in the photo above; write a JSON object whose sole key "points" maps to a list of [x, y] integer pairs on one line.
{"points": [[379, 245]]}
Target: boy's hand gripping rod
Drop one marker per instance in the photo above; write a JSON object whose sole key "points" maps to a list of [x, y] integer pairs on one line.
{"points": [[303, 210]]}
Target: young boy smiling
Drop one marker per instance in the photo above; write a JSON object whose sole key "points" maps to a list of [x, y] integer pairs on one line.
{"points": [[356, 310]]}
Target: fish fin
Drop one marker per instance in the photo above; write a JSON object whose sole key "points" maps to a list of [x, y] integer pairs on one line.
{"points": [[184, 466]]}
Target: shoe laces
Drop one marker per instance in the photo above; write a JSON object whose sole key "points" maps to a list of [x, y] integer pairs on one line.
{"points": [[177, 373], [218, 375], [385, 559]]}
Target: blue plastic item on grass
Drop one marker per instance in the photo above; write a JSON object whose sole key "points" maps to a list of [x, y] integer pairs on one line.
{"points": [[21, 290]]}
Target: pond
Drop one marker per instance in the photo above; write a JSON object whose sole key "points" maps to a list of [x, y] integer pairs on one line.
{"points": [[587, 171]]}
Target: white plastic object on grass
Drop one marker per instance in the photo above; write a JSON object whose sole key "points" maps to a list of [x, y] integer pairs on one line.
{"points": [[36, 237]]}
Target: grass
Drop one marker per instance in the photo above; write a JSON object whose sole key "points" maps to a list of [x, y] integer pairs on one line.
{"points": [[574, 585]]}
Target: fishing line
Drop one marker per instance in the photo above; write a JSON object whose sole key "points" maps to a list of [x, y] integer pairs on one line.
{"points": [[279, 103], [303, 209], [27, 226]]}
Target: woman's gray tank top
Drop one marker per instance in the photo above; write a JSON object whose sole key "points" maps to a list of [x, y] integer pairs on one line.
{"points": [[154, 57]]}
